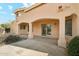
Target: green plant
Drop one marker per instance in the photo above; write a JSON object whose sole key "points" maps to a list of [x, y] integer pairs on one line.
{"points": [[5, 25], [12, 39], [73, 47]]}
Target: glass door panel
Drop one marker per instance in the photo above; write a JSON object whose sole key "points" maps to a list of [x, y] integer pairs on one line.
{"points": [[46, 29]]}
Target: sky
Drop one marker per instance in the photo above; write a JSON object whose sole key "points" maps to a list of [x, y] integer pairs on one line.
{"points": [[7, 11]]}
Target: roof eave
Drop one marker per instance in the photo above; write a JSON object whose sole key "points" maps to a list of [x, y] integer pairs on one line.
{"points": [[25, 9]]}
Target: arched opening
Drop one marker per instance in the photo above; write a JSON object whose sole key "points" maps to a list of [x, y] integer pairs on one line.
{"points": [[46, 28], [23, 28]]}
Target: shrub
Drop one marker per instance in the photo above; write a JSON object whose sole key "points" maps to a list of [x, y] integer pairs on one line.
{"points": [[73, 47], [7, 30], [12, 39]]}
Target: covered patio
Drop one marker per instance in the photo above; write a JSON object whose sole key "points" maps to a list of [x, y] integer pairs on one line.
{"points": [[60, 28], [44, 27]]}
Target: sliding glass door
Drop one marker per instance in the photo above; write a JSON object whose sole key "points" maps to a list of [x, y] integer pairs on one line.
{"points": [[46, 29]]}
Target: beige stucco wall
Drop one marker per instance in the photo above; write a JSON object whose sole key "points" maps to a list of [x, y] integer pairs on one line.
{"points": [[49, 10], [37, 30]]}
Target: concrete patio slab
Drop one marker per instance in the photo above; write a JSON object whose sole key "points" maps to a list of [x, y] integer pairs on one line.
{"points": [[51, 49]]}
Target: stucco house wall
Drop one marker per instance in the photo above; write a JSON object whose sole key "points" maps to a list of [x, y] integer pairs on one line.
{"points": [[49, 11]]}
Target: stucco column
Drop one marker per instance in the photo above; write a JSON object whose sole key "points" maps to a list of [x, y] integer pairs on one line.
{"points": [[62, 41], [77, 24], [30, 35]]}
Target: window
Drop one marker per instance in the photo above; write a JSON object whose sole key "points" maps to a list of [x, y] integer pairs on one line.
{"points": [[68, 27], [23, 27]]}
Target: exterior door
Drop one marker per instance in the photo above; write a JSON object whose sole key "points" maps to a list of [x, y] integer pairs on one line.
{"points": [[46, 29]]}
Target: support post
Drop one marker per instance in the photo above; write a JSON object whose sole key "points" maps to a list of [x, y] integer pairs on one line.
{"points": [[30, 36], [62, 41]]}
